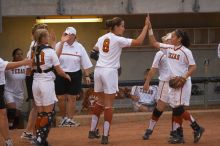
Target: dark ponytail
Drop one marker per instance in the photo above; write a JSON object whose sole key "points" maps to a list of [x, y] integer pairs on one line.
{"points": [[111, 23], [185, 41]]}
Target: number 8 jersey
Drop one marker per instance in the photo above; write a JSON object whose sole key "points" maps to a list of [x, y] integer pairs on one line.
{"points": [[110, 47]]}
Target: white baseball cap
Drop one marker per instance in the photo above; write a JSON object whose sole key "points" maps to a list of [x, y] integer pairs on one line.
{"points": [[70, 30]]}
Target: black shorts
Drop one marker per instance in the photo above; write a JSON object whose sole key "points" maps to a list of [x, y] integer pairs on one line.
{"points": [[63, 86], [29, 82], [2, 99]]}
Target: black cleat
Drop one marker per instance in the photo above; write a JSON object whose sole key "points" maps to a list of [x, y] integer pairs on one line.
{"points": [[36, 143], [147, 134], [198, 134], [46, 143], [176, 138], [171, 135], [94, 134], [104, 140]]}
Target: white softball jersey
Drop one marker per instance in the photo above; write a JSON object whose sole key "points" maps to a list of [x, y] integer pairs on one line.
{"points": [[73, 57], [110, 47], [14, 80], [106, 74], [146, 97], [48, 59], [3, 65], [160, 62], [178, 58]]}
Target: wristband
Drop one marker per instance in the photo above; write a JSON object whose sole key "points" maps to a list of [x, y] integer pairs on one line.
{"points": [[150, 32]]}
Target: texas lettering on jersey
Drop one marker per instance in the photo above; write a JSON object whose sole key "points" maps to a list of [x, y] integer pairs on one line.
{"points": [[147, 92], [18, 71], [174, 56]]}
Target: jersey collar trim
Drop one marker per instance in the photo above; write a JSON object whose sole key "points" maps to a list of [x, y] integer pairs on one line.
{"points": [[177, 48]]}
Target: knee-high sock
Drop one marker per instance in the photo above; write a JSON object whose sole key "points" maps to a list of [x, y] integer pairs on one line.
{"points": [[11, 113], [155, 117], [187, 116], [16, 122], [108, 114], [177, 122], [177, 119], [97, 110]]}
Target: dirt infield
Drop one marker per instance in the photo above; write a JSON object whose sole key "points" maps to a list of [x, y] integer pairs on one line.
{"points": [[130, 134]]}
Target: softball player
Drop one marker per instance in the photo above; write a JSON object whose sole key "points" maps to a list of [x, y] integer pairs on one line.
{"points": [[30, 129], [4, 65], [109, 47], [14, 90], [160, 64], [45, 61], [180, 62], [73, 58], [144, 100]]}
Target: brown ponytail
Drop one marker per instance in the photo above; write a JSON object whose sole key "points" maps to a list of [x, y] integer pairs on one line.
{"points": [[111, 23], [39, 26], [39, 35]]}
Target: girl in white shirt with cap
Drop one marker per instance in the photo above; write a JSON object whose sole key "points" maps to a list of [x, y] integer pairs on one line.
{"points": [[72, 56]]}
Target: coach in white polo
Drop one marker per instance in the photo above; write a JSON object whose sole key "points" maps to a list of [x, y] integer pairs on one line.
{"points": [[72, 56]]}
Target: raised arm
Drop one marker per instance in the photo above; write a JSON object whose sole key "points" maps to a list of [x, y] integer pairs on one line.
{"points": [[139, 40], [59, 48], [152, 39]]}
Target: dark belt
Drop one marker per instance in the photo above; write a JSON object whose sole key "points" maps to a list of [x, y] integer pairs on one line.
{"points": [[44, 71]]}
